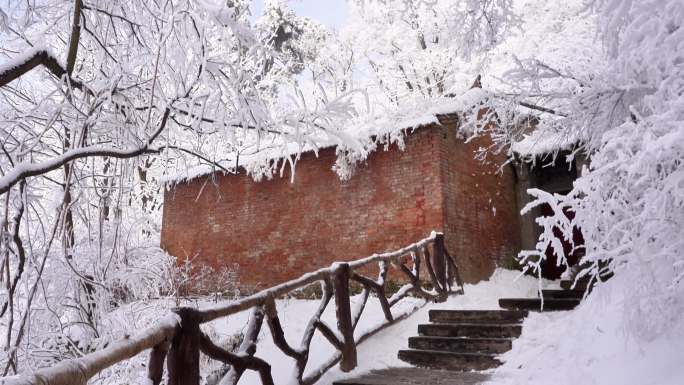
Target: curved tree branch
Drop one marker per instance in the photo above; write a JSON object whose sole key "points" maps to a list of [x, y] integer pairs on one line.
{"points": [[24, 170], [30, 61]]}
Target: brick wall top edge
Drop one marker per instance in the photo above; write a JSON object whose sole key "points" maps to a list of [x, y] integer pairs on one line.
{"points": [[449, 121]]}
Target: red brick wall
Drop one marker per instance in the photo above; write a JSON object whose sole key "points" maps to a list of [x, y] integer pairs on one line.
{"points": [[276, 230], [480, 207]]}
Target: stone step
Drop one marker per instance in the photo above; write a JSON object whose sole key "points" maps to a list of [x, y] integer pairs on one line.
{"points": [[534, 304], [477, 316], [567, 285], [470, 330], [415, 376], [461, 344], [448, 360], [554, 294]]}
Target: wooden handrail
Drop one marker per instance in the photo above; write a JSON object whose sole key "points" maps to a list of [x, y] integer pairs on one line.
{"points": [[78, 371], [178, 339]]}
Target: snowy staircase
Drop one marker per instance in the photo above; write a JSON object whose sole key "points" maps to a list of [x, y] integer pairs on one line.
{"points": [[465, 340], [471, 339]]}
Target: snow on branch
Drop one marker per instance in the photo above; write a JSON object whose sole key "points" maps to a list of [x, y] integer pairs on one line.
{"points": [[22, 64], [27, 169]]}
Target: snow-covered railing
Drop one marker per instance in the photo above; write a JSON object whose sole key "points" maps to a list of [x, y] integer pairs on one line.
{"points": [[178, 339]]}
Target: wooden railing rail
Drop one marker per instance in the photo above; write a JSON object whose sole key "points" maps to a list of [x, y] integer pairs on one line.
{"points": [[178, 339]]}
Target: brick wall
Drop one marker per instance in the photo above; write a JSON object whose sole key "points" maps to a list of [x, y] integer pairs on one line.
{"points": [[480, 206], [276, 230]]}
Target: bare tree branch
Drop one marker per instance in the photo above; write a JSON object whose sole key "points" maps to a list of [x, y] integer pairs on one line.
{"points": [[75, 37]]}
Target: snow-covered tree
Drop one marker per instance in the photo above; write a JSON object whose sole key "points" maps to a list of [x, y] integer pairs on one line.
{"points": [[626, 112], [99, 98], [297, 39], [425, 49]]}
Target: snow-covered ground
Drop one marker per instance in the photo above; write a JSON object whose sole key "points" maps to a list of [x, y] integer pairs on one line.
{"points": [[592, 345], [589, 345]]}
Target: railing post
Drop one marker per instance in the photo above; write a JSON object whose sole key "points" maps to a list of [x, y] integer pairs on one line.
{"points": [[344, 318], [183, 357], [155, 366], [439, 262]]}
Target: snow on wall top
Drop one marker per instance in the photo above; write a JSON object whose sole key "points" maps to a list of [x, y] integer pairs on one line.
{"points": [[544, 140], [389, 127], [373, 133]]}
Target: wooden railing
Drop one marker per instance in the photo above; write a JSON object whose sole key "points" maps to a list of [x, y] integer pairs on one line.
{"points": [[177, 337]]}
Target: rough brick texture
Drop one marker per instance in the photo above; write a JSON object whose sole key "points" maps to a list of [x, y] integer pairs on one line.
{"points": [[480, 208], [276, 230]]}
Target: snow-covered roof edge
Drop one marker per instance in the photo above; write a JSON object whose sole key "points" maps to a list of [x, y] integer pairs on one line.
{"points": [[383, 131], [245, 163], [544, 140]]}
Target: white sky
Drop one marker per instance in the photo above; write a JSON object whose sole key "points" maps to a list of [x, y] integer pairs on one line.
{"points": [[332, 13]]}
